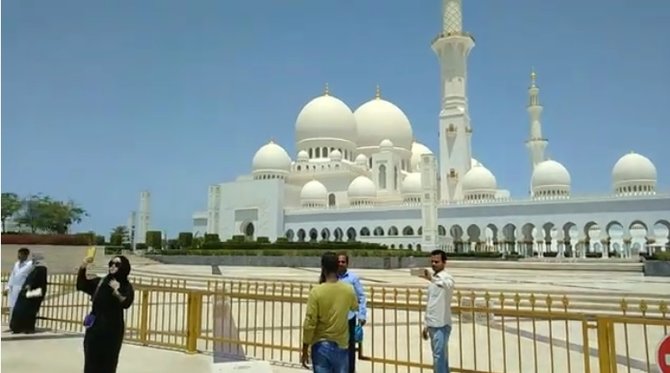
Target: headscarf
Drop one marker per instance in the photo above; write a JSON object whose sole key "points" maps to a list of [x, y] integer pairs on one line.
{"points": [[38, 260], [123, 270]]}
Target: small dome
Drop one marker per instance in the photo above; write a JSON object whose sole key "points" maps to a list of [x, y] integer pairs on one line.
{"points": [[418, 150], [314, 190], [271, 158], [475, 163], [335, 155], [361, 160], [479, 179], [633, 167], [303, 156], [325, 117], [411, 184], [362, 188], [379, 119], [386, 143], [550, 174]]}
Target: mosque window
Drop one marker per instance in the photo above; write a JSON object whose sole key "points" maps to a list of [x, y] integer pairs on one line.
{"points": [[382, 177], [311, 153], [324, 152], [317, 153]]}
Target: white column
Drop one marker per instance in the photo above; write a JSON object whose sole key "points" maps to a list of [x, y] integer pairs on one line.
{"points": [[429, 202]]}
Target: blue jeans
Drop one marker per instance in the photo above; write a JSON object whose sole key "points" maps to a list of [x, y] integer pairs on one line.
{"points": [[439, 341], [328, 357]]}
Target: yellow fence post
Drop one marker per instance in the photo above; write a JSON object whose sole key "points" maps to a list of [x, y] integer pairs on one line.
{"points": [[144, 317], [606, 345], [193, 321]]}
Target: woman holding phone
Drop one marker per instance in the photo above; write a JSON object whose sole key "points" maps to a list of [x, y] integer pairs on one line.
{"points": [[105, 326]]}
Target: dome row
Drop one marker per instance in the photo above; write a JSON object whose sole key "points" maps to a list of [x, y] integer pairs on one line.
{"points": [[327, 117]]}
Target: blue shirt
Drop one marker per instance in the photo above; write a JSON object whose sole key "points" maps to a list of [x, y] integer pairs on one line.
{"points": [[355, 281]]}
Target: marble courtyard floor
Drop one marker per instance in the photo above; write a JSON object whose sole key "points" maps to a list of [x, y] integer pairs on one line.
{"points": [[391, 334]]}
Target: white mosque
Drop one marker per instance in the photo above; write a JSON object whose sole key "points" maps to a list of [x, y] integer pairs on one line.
{"points": [[361, 175]]}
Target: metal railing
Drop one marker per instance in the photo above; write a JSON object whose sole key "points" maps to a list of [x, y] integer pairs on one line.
{"points": [[491, 332]]}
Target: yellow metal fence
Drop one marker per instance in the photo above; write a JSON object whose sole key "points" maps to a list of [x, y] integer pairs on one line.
{"points": [[491, 332]]}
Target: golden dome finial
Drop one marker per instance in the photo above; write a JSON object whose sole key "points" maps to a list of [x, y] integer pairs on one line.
{"points": [[533, 77], [326, 91], [378, 92]]}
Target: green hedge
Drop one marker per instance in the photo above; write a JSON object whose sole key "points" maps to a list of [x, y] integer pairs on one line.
{"points": [[284, 252], [661, 255], [321, 246]]}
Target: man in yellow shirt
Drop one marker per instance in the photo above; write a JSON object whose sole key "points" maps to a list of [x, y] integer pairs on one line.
{"points": [[326, 326]]}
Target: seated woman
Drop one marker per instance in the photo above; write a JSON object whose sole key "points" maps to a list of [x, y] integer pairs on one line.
{"points": [[105, 325]]}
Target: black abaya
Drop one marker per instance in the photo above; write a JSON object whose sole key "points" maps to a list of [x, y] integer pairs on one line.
{"points": [[102, 341], [24, 313]]}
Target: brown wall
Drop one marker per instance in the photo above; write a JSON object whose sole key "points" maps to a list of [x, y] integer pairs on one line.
{"points": [[59, 259]]}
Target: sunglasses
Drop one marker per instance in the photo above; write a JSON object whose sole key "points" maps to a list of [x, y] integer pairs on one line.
{"points": [[115, 263]]}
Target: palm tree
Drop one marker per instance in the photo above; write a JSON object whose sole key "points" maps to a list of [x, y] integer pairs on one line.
{"points": [[119, 235]]}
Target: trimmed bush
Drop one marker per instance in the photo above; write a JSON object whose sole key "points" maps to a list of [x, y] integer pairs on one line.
{"points": [[81, 239], [237, 238], [172, 245], [280, 252], [185, 240], [100, 240], [212, 237], [113, 250], [263, 240], [154, 239], [661, 255], [141, 246]]}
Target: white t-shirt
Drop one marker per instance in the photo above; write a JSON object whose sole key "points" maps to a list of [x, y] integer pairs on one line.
{"points": [[438, 307]]}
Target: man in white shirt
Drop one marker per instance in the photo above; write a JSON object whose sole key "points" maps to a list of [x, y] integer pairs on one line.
{"points": [[20, 272], [438, 310]]}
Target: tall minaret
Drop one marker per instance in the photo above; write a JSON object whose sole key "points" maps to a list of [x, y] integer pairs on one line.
{"points": [[536, 143], [452, 47], [143, 218]]}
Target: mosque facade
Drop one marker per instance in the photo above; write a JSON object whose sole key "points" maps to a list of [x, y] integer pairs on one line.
{"points": [[361, 175]]}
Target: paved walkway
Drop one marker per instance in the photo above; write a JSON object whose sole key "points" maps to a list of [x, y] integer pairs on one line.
{"points": [[19, 355]]}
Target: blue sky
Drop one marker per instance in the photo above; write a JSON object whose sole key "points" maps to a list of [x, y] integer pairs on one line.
{"points": [[104, 99]]}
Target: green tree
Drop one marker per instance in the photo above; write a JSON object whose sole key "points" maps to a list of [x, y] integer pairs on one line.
{"points": [[119, 235], [11, 204], [41, 213]]}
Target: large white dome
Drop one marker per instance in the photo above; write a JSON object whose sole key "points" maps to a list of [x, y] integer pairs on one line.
{"points": [[633, 167], [479, 179], [411, 184], [271, 158], [550, 174], [314, 190], [418, 150], [325, 117], [377, 120], [362, 187]]}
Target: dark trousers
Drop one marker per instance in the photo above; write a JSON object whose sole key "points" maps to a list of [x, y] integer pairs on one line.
{"points": [[352, 345]]}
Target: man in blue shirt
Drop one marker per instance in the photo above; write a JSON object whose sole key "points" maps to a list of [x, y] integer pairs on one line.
{"points": [[346, 276]]}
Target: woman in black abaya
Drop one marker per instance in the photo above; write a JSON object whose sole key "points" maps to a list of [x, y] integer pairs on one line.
{"points": [[105, 325], [24, 314]]}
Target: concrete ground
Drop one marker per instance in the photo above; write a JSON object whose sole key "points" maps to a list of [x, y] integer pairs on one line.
{"points": [[20, 355], [507, 280]]}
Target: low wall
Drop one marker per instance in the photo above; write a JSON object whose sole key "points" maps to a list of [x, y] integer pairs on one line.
{"points": [[59, 259], [289, 261], [363, 262], [656, 268]]}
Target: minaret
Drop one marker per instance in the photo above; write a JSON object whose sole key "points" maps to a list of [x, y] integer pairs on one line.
{"points": [[429, 201], [143, 218], [452, 47], [536, 143], [213, 209]]}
